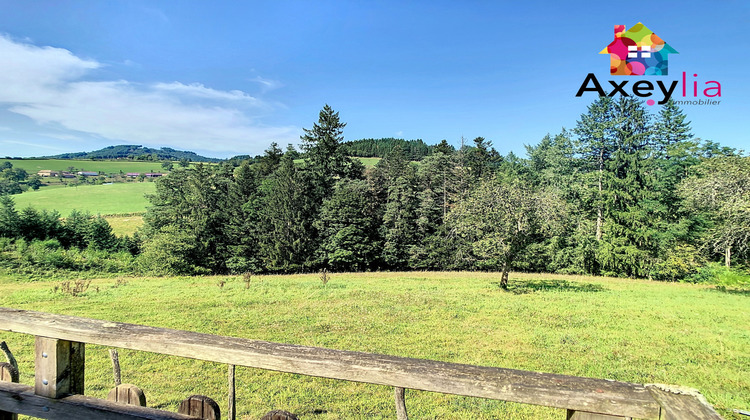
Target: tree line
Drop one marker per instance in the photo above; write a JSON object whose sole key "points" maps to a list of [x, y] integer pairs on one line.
{"points": [[623, 193], [413, 149]]}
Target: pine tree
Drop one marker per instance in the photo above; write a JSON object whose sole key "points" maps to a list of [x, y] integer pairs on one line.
{"points": [[347, 228], [326, 157]]}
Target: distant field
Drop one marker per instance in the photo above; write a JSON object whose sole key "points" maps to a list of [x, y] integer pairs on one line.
{"points": [[97, 199], [124, 225], [33, 166], [622, 329], [368, 162]]}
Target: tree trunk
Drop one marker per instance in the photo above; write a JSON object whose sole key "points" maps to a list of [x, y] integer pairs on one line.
{"points": [[504, 278], [728, 256], [599, 204]]}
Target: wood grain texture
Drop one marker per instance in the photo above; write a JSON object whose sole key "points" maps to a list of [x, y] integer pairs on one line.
{"points": [[8, 373], [400, 397], [200, 406], [127, 394], [580, 415], [21, 399], [232, 399], [682, 404], [59, 367], [546, 389]]}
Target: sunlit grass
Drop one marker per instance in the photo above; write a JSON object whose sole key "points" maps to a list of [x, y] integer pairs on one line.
{"points": [[629, 330], [125, 225], [116, 198]]}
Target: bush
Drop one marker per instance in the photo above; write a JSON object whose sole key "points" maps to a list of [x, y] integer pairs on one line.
{"points": [[680, 263], [170, 251], [716, 273]]}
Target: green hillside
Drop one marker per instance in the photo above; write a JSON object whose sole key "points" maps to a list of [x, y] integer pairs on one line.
{"points": [[33, 166], [132, 151], [97, 199]]}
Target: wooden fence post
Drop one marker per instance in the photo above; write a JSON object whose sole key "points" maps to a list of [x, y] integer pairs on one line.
{"points": [[127, 394], [200, 406], [231, 413], [8, 373], [400, 395], [115, 366], [582, 415], [59, 367]]}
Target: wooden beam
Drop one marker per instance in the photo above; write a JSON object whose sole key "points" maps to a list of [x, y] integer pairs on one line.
{"points": [[21, 399], [546, 389], [682, 403], [59, 367]]}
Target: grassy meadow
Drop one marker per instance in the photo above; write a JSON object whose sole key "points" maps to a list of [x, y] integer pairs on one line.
{"points": [[622, 329], [118, 198], [33, 166]]}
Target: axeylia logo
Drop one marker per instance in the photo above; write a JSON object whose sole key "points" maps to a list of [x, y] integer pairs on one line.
{"points": [[638, 51]]}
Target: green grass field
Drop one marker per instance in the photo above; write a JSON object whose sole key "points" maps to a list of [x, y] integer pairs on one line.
{"points": [[116, 198], [124, 224], [33, 166], [629, 330]]}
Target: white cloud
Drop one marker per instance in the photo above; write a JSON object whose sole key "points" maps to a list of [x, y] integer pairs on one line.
{"points": [[200, 91], [267, 84], [33, 145], [49, 86]]}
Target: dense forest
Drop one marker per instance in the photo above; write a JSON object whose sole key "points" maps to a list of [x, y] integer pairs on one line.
{"points": [[412, 149], [624, 193]]}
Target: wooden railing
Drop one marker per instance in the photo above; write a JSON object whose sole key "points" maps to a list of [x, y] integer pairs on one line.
{"points": [[60, 349]]}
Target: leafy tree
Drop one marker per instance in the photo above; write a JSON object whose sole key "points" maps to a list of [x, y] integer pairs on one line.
{"points": [[167, 165], [499, 219], [721, 188], [10, 187], [194, 200], [348, 228]]}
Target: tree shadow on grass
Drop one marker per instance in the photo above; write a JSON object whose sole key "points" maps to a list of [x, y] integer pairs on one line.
{"points": [[521, 287], [732, 290]]}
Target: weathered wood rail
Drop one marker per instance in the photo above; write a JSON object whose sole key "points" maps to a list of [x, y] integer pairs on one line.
{"points": [[63, 338]]}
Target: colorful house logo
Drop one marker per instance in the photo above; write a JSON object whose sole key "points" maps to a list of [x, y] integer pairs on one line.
{"points": [[637, 51]]}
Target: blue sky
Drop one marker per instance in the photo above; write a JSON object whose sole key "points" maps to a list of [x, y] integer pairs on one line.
{"points": [[226, 78]]}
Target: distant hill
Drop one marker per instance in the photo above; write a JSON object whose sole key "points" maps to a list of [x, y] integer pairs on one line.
{"points": [[136, 152]]}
